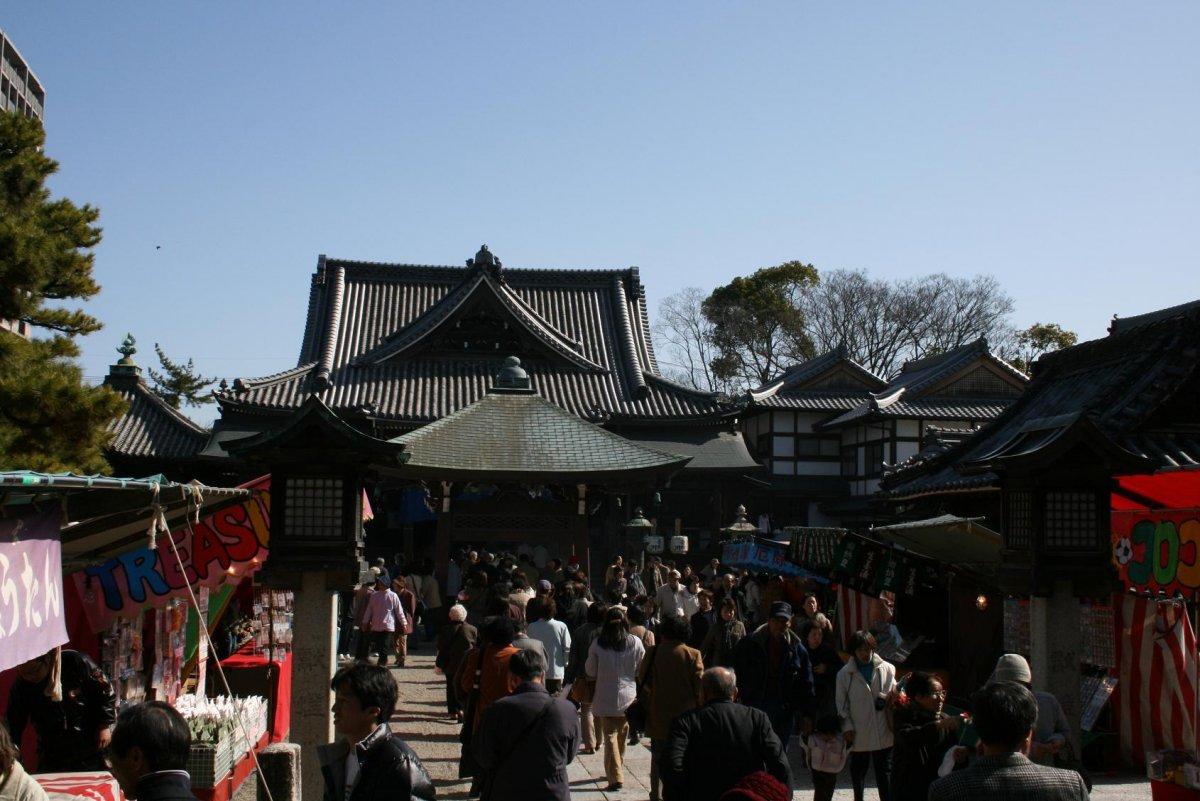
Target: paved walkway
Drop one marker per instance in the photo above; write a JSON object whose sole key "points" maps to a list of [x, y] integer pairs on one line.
{"points": [[421, 720]]}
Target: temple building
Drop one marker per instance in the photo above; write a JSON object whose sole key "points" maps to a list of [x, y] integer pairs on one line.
{"points": [[829, 429], [392, 348]]}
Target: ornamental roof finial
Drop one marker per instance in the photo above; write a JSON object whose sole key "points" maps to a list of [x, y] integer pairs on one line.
{"points": [[486, 260], [127, 349]]}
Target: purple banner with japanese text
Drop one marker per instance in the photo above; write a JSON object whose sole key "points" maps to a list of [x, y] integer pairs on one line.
{"points": [[31, 594]]}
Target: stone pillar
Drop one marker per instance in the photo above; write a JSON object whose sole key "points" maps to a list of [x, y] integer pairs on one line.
{"points": [[1056, 650], [314, 659], [280, 764]]}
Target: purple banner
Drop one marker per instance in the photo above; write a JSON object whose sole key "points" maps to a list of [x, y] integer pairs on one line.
{"points": [[31, 595]]}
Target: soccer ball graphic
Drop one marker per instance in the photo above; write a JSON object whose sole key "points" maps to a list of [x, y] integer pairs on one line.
{"points": [[1123, 551]]}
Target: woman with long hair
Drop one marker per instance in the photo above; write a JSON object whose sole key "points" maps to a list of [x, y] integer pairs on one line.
{"points": [[408, 602], [612, 663], [15, 783], [723, 636]]}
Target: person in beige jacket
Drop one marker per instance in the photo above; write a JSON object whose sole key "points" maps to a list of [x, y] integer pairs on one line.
{"points": [[865, 686], [15, 783], [670, 675]]}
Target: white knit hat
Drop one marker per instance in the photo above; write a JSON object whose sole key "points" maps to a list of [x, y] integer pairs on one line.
{"points": [[1012, 667]]}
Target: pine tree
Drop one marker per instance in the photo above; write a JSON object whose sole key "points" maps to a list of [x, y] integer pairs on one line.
{"points": [[179, 383], [49, 418]]}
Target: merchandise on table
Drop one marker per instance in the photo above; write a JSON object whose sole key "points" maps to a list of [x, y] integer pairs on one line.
{"points": [[170, 639], [218, 742]]}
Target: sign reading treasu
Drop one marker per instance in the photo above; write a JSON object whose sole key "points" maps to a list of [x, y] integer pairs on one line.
{"points": [[1158, 550], [224, 546]]}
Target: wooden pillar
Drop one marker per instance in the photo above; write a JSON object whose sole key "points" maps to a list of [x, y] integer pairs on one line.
{"points": [[581, 539], [445, 524]]}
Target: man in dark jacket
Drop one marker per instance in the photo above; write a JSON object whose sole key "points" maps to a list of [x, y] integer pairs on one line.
{"points": [[526, 740], [73, 732], [369, 762], [148, 755], [712, 748], [1005, 713], [775, 674]]}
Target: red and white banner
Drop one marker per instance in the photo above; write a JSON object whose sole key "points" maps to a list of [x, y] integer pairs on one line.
{"points": [[854, 612], [1156, 687], [31, 594], [99, 786]]}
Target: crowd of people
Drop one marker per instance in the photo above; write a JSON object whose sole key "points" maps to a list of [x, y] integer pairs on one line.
{"points": [[719, 670], [716, 669]]}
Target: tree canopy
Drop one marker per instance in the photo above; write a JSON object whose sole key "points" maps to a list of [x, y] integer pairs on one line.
{"points": [[50, 419], [178, 383], [758, 322], [753, 328], [1037, 340]]}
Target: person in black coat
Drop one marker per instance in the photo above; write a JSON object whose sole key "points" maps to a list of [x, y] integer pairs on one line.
{"points": [[703, 620], [384, 767], [774, 673], [525, 741], [148, 754], [825, 662], [73, 732], [923, 736], [713, 747]]}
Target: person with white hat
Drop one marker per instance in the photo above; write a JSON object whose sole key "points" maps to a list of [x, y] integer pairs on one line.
{"points": [[671, 596], [1053, 731]]}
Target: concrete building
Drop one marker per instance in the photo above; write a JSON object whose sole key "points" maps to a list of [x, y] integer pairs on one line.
{"points": [[20, 89]]}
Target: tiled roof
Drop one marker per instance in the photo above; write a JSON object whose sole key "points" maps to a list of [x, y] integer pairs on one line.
{"points": [[150, 427], [815, 401], [1129, 386], [804, 380], [915, 391], [517, 434], [373, 332]]}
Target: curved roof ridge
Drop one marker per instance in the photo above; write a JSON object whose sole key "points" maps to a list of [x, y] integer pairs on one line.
{"points": [[266, 380], [675, 385]]}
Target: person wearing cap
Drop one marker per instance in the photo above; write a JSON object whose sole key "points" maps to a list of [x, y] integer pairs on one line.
{"points": [[1052, 733], [671, 596], [554, 637], [774, 672]]}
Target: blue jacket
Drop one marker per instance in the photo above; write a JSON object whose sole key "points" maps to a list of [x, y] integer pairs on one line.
{"points": [[793, 687]]}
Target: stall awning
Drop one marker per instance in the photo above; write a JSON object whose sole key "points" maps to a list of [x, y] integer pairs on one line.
{"points": [[104, 516], [949, 539]]}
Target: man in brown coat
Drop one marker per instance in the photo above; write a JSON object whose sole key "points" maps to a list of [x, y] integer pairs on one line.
{"points": [[670, 675]]}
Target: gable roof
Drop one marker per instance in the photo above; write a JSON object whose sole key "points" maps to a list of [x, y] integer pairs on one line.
{"points": [[1113, 387], [378, 338], [915, 391], [150, 427], [808, 386]]}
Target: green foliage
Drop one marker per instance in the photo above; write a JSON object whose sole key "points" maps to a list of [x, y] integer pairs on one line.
{"points": [[1038, 340], [179, 383], [49, 418], [45, 245], [758, 325]]}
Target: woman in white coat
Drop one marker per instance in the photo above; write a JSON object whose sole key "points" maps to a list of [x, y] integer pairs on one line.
{"points": [[865, 686], [612, 662]]}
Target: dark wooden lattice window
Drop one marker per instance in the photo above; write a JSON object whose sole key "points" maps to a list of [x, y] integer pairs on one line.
{"points": [[1018, 520], [314, 507], [1070, 520]]}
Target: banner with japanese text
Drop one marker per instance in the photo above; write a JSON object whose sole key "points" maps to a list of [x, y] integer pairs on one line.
{"points": [[31, 591]]}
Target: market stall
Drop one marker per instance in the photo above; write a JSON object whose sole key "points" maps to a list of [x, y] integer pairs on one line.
{"points": [[141, 557]]}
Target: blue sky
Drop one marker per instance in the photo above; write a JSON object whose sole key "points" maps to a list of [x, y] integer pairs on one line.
{"points": [[1052, 145]]}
